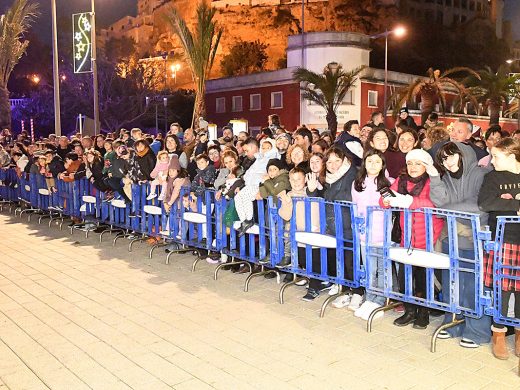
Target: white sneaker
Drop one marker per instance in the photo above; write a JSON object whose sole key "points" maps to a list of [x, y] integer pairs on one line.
{"points": [[302, 282], [341, 301], [334, 290], [223, 258], [355, 302], [366, 306], [151, 196]]}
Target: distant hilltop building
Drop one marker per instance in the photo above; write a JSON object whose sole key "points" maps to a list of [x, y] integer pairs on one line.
{"points": [[446, 12], [450, 12]]}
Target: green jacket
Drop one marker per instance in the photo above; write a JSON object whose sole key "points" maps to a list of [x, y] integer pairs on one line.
{"points": [[273, 187]]}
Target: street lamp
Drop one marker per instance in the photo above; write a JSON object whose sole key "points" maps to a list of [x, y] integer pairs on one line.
{"points": [[511, 61], [55, 71], [94, 69], [399, 32], [35, 79], [175, 68]]}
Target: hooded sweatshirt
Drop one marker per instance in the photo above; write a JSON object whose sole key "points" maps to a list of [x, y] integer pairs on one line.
{"points": [[460, 194]]}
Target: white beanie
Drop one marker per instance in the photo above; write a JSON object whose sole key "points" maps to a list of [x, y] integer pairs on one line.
{"points": [[421, 155]]}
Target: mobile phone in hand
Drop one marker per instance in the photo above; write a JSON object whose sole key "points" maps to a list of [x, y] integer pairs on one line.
{"points": [[386, 192]]}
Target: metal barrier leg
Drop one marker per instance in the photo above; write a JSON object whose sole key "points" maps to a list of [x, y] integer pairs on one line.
{"points": [[329, 300], [157, 245], [122, 234], [76, 226], [454, 322], [177, 251], [140, 239], [386, 307], [197, 260], [232, 263], [295, 280], [43, 216], [262, 272], [110, 230]]}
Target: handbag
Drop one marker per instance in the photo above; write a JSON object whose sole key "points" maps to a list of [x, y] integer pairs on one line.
{"points": [[230, 214]]}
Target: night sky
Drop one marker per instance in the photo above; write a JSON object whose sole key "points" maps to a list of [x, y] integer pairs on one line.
{"points": [[108, 11], [111, 10]]}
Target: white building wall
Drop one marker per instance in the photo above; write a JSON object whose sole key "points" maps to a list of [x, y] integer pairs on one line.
{"points": [[350, 50]]}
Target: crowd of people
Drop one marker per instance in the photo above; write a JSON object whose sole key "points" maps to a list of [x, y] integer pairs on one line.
{"points": [[451, 167]]}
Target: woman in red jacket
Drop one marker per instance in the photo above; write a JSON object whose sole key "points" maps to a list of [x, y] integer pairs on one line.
{"points": [[412, 191]]}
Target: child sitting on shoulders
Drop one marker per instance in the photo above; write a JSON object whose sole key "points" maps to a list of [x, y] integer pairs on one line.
{"points": [[160, 175]]}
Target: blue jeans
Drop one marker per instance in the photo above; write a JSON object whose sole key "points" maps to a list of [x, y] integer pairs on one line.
{"points": [[475, 329], [375, 266]]}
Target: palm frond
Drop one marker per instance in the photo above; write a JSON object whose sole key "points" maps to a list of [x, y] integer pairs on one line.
{"points": [[200, 46], [13, 26]]}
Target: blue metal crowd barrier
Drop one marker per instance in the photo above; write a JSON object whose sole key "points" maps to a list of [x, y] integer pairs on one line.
{"points": [[506, 274], [326, 247], [9, 187], [256, 246], [453, 267]]}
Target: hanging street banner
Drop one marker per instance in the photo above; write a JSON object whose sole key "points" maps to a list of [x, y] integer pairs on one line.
{"points": [[82, 42]]}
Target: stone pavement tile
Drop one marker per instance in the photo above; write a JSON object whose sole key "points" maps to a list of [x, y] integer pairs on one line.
{"points": [[193, 384], [22, 380], [505, 377], [501, 386], [164, 348], [162, 369], [61, 379]]}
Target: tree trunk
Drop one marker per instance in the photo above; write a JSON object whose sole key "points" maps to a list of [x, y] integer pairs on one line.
{"points": [[426, 106], [332, 123], [199, 107], [5, 109], [494, 114]]}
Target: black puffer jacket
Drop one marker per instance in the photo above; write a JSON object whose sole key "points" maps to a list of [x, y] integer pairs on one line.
{"points": [[146, 163]]}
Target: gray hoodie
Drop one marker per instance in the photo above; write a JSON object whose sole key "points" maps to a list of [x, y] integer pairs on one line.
{"points": [[460, 194]]}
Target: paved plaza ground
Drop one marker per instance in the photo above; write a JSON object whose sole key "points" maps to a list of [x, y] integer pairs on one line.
{"points": [[77, 314]]}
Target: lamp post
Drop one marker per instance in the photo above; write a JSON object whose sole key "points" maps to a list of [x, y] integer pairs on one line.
{"points": [[55, 71], [165, 103], [94, 70], [398, 32], [511, 62], [175, 68]]}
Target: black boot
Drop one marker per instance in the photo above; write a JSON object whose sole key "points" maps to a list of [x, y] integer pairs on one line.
{"points": [[408, 317], [423, 318], [244, 227], [285, 262]]}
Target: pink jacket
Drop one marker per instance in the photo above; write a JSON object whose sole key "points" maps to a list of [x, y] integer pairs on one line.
{"points": [[160, 167], [370, 197]]}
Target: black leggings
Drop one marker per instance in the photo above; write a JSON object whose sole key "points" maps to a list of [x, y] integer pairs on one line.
{"points": [[506, 295], [331, 267]]}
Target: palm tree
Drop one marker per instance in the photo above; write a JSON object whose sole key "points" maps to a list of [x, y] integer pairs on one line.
{"points": [[200, 48], [327, 89], [493, 90], [13, 25], [435, 86]]}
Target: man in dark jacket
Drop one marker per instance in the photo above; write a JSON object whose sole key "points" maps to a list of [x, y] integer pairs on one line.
{"points": [[56, 165], [349, 142], [405, 117]]}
